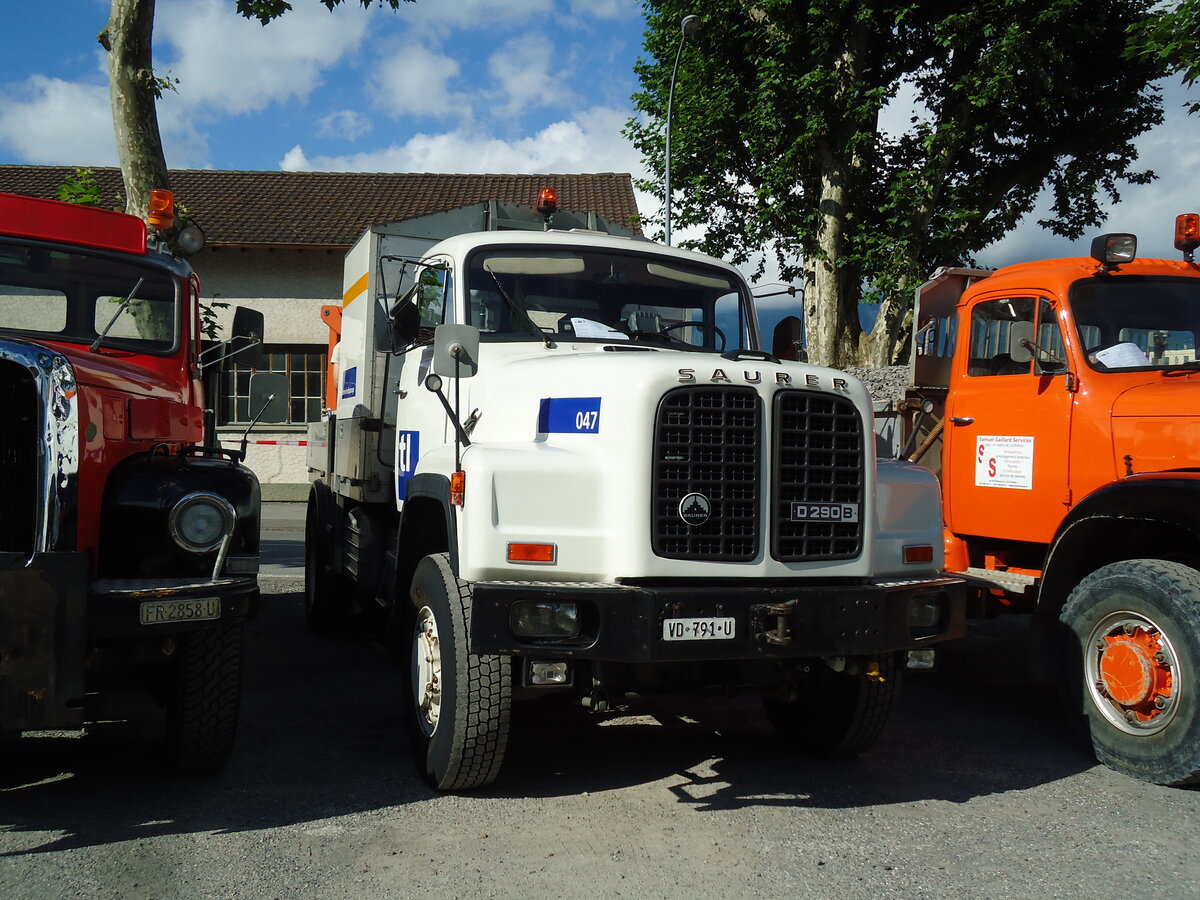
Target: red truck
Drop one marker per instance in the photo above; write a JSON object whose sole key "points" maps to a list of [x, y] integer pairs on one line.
{"points": [[128, 546], [1059, 403]]}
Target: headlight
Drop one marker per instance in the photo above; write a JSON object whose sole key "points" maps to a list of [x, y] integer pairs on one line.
{"points": [[544, 619], [201, 520]]}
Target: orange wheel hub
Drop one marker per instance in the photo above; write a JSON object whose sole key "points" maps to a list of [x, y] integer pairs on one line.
{"points": [[1133, 673]]}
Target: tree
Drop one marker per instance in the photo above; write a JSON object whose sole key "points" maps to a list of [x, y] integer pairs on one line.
{"points": [[1172, 39], [778, 143], [134, 88]]}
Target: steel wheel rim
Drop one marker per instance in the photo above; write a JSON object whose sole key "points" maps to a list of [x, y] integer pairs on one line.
{"points": [[1132, 644], [427, 671]]}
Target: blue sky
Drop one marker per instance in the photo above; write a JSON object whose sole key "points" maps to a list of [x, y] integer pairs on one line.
{"points": [[440, 85]]}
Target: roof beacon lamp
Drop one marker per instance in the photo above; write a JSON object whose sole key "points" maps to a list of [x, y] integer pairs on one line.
{"points": [[547, 204], [1112, 250], [687, 27], [162, 209], [1187, 234]]}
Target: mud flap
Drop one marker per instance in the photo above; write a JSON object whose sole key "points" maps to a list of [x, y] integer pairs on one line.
{"points": [[43, 608]]}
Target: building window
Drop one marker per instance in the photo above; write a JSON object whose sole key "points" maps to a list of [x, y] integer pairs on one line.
{"points": [[304, 365]]}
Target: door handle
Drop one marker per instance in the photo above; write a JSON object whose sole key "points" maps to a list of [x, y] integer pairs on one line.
{"points": [[962, 420]]}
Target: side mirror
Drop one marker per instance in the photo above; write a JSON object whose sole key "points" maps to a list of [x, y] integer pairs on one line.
{"points": [[1020, 335], [787, 340], [455, 351], [246, 340], [269, 396], [406, 321]]}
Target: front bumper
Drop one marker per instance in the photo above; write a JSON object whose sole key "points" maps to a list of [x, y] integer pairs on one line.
{"points": [[51, 618], [626, 623]]}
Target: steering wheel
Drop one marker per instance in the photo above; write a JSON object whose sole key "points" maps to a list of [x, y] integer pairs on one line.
{"points": [[703, 326]]}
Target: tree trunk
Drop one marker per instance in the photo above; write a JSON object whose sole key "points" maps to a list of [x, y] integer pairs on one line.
{"points": [[132, 90]]}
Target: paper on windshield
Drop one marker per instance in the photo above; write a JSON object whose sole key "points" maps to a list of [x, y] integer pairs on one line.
{"points": [[1122, 356], [586, 328]]}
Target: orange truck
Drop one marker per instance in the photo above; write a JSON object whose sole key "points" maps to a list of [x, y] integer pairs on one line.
{"points": [[1059, 403]]}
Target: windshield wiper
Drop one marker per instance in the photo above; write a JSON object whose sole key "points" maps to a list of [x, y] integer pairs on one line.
{"points": [[1181, 368], [120, 309], [518, 313]]}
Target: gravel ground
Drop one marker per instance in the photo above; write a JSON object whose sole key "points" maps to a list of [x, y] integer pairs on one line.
{"points": [[974, 791]]}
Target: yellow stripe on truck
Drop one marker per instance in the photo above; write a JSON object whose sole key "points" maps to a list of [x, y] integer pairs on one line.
{"points": [[352, 292]]}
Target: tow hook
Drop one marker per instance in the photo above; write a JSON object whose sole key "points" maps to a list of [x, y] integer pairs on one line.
{"points": [[778, 615]]}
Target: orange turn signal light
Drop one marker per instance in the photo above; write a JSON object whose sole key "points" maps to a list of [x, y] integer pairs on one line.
{"points": [[533, 553], [921, 553], [162, 208], [458, 488]]}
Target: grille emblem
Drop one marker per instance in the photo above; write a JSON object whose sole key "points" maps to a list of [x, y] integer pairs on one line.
{"points": [[695, 509]]}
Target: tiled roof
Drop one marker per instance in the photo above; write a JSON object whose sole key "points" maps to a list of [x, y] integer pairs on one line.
{"points": [[331, 209]]}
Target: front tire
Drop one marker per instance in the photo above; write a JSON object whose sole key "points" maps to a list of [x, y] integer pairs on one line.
{"points": [[459, 704], [837, 715], [1131, 653], [206, 692]]}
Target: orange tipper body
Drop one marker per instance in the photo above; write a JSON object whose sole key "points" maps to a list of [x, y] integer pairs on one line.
{"points": [[1062, 414]]}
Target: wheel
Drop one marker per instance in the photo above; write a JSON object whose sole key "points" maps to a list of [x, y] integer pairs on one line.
{"points": [[1130, 651], [205, 693], [837, 715], [703, 326], [324, 604], [459, 703]]}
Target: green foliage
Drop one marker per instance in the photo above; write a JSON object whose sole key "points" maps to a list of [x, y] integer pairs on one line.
{"points": [[1171, 39], [777, 139], [209, 326], [83, 188], [266, 10], [155, 84]]}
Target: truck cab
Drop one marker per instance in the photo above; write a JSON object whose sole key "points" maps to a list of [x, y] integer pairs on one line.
{"points": [[128, 544], [1063, 407], [562, 466]]}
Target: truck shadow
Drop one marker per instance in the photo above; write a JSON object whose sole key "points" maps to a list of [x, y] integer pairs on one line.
{"points": [[322, 736], [977, 726]]}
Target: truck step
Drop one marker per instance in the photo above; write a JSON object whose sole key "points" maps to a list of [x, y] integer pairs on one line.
{"points": [[1005, 581]]}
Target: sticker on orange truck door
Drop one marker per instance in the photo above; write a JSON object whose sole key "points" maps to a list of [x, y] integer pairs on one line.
{"points": [[1004, 461]]}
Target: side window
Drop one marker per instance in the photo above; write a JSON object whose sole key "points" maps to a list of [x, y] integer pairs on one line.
{"points": [[991, 331], [434, 297], [1050, 354]]}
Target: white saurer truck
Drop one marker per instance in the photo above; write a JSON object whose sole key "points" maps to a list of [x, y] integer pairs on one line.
{"points": [[561, 464]]}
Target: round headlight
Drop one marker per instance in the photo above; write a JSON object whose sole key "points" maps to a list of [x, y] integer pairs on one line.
{"points": [[200, 521]]}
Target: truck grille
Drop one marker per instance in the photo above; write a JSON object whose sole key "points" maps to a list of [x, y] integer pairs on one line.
{"points": [[19, 474], [706, 442], [818, 458]]}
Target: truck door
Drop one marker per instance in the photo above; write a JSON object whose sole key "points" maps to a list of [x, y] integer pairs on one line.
{"points": [[421, 424], [1008, 422]]}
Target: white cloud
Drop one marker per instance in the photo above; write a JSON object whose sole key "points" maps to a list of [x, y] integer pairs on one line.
{"points": [[229, 64], [590, 142], [417, 82], [443, 18], [344, 123], [605, 9], [49, 121], [521, 69]]}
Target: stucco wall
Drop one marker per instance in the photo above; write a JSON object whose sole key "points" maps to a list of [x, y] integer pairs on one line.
{"points": [[289, 287]]}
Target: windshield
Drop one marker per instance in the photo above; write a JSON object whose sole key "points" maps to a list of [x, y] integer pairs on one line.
{"points": [[570, 294], [1135, 321], [77, 297]]}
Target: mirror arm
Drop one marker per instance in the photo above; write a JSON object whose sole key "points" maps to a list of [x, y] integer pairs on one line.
{"points": [[254, 422], [255, 341]]}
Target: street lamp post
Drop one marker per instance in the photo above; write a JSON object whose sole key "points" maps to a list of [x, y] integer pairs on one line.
{"points": [[689, 25]]}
